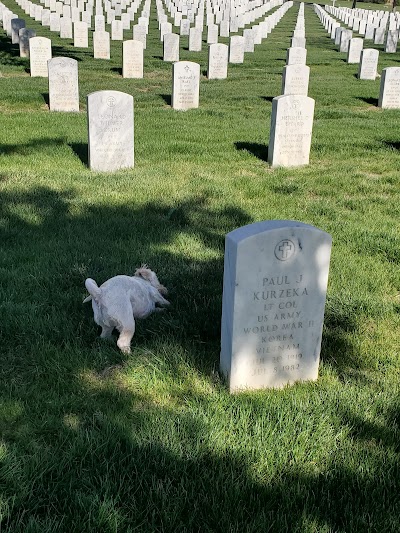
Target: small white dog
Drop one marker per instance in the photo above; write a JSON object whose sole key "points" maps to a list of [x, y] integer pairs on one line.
{"points": [[121, 299]]}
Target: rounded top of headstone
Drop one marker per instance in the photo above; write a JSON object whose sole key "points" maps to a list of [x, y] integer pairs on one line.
{"points": [[244, 232]]}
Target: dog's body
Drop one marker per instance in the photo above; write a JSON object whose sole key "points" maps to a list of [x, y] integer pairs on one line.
{"points": [[121, 299]]}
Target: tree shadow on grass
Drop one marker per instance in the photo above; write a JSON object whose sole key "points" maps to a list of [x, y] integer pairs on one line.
{"points": [[9, 53], [33, 146], [167, 98], [81, 150], [368, 100], [258, 150]]}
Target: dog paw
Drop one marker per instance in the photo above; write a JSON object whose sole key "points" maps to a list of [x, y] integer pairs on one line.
{"points": [[125, 349]]}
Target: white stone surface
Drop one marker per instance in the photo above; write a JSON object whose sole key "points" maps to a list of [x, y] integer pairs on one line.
{"points": [[291, 131], [356, 45], [195, 42], [110, 130], [295, 79], [101, 45], [389, 95], [81, 37], [368, 64], [217, 61], [296, 56], [171, 47], [274, 291], [39, 54], [132, 59], [185, 85], [63, 84], [236, 49]]}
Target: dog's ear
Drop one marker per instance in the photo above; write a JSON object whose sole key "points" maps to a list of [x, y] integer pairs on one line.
{"points": [[144, 272]]}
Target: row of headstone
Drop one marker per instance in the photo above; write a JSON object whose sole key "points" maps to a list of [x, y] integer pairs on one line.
{"points": [[292, 112], [367, 58]]}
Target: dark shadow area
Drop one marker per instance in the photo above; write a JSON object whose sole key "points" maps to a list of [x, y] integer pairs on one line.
{"points": [[9, 53], [167, 98], [258, 150], [267, 98], [46, 98], [285, 188], [81, 150], [118, 70], [394, 145], [62, 51], [32, 146], [368, 100], [204, 72], [161, 58]]}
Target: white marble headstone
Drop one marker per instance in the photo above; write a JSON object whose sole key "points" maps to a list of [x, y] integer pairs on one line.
{"points": [[217, 61], [389, 95], [368, 64], [236, 49], [291, 131], [185, 85], [171, 47], [110, 130], [274, 291], [63, 84], [39, 54], [132, 59], [295, 79]]}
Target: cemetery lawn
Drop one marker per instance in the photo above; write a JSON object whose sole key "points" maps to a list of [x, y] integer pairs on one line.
{"points": [[96, 441]]}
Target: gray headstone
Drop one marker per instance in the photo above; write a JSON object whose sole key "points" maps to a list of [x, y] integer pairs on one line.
{"points": [[389, 95], [63, 84], [274, 291], [132, 59], [16, 25], [110, 130], [391, 41], [185, 85], [345, 37], [24, 35], [291, 130]]}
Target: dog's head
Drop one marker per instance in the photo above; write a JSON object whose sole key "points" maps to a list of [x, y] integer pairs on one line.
{"points": [[150, 276]]}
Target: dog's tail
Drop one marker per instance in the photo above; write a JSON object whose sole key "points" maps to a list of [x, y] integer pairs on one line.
{"points": [[92, 289]]}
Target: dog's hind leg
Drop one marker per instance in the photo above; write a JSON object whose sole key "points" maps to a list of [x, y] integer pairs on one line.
{"points": [[125, 337], [106, 332]]}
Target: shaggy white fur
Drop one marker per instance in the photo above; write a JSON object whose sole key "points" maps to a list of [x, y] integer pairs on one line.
{"points": [[121, 299]]}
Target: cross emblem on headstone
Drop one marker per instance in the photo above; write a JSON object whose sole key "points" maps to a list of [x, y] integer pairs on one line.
{"points": [[187, 68], [284, 249]]}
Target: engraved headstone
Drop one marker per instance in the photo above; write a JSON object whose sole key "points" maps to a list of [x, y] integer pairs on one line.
{"points": [[24, 35], [392, 37], [345, 37], [296, 56], [274, 292], [81, 38], [117, 30], [291, 130], [368, 64], [236, 49], [132, 59], [171, 47], [389, 95], [63, 84], [248, 40], [39, 54], [217, 61], [16, 25], [295, 79], [139, 34], [110, 130], [355, 48], [185, 85], [65, 28], [101, 44], [195, 42]]}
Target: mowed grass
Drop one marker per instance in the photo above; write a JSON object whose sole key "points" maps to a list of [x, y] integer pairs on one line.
{"points": [[95, 441]]}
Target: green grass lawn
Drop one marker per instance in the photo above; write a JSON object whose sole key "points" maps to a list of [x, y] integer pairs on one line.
{"points": [[95, 441]]}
